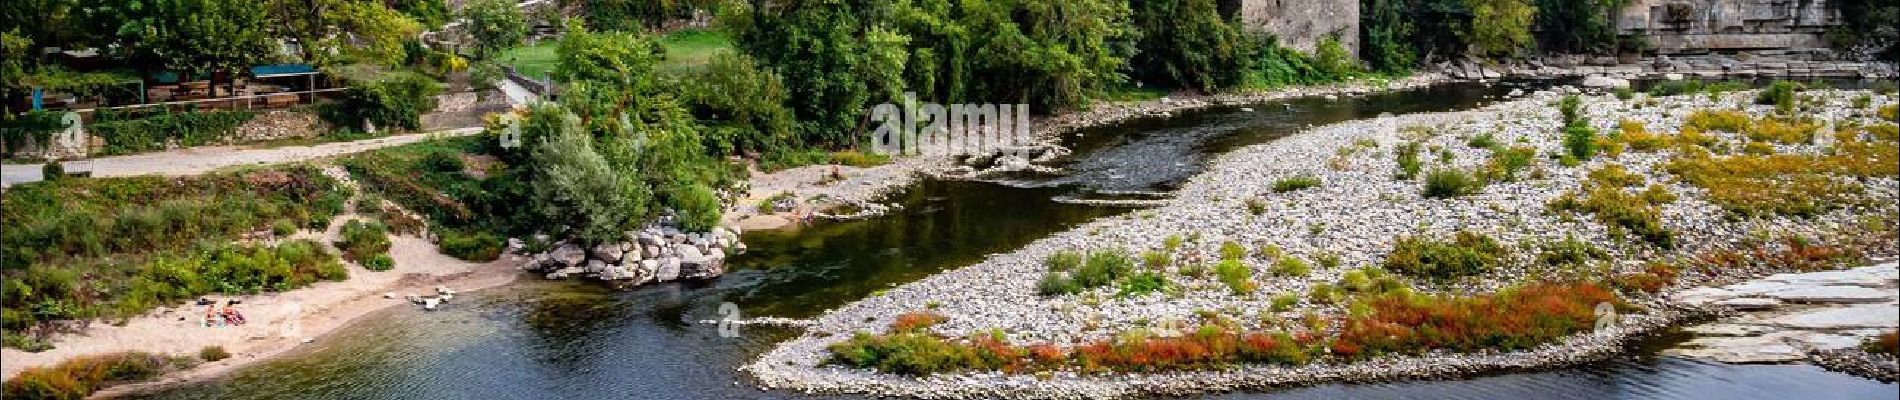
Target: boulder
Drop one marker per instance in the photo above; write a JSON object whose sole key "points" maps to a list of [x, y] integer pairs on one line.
{"points": [[667, 269], [1599, 81], [568, 255], [608, 252]]}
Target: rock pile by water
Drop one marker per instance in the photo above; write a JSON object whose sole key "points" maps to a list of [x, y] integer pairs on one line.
{"points": [[1356, 214], [660, 253]]}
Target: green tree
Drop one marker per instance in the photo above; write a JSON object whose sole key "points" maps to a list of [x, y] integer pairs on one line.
{"points": [[367, 31], [1500, 28], [494, 24], [574, 187], [1187, 43], [744, 106], [620, 58], [1385, 36], [196, 36], [1577, 26]]}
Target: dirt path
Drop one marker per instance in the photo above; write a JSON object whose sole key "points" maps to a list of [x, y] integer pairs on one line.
{"points": [[198, 160]]}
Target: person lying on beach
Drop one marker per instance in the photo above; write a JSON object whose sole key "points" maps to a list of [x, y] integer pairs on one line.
{"points": [[231, 313]]}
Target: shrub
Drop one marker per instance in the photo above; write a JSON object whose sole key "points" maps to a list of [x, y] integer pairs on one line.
{"points": [[1482, 141], [1256, 206], [1102, 268], [474, 246], [1781, 132], [1056, 283], [1063, 260], [1409, 165], [363, 240], [1781, 94], [1505, 164], [1235, 275], [915, 321], [1327, 259], [1447, 183], [1622, 212], [1886, 343], [1570, 252], [1156, 259], [283, 227], [1571, 108], [1466, 254], [1291, 266], [379, 262], [1323, 293], [1143, 283], [1231, 250], [1293, 183], [1517, 318], [1789, 184], [79, 377], [52, 171], [213, 353], [1758, 149], [1580, 140], [1711, 120], [1284, 302], [126, 135], [391, 103]]}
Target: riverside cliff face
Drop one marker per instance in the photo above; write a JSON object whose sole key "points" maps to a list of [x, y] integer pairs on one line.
{"points": [[1672, 26], [1702, 26]]}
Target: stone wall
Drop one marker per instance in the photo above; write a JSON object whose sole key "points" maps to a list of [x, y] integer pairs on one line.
{"points": [[1300, 24], [1702, 26]]}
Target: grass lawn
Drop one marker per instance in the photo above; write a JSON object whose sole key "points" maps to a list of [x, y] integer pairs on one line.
{"points": [[686, 51], [689, 50], [534, 61]]}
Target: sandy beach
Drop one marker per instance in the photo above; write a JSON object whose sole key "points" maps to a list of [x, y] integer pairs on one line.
{"points": [[278, 322]]}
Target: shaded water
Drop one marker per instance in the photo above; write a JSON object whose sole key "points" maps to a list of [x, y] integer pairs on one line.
{"points": [[538, 339]]}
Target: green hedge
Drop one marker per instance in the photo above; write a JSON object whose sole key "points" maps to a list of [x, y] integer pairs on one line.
{"points": [[126, 136], [394, 102]]}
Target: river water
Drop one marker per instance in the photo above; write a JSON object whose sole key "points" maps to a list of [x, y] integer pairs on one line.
{"points": [[571, 340]]}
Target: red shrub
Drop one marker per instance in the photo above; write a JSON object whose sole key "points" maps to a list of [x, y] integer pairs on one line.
{"points": [[914, 321]]}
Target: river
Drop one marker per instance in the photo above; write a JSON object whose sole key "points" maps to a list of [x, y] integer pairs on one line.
{"points": [[546, 340]]}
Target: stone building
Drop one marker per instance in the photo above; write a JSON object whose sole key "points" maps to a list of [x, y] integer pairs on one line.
{"points": [[1702, 26], [1300, 24]]}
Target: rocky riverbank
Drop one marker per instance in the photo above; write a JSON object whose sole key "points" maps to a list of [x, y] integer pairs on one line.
{"points": [[1772, 64], [1354, 215], [831, 192], [1820, 317], [658, 253]]}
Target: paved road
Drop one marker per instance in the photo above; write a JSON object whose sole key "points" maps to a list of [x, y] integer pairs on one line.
{"points": [[199, 160]]}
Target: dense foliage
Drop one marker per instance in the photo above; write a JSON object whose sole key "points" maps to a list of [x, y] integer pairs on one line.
{"points": [[81, 376], [1464, 254], [1187, 43], [126, 135], [1578, 26], [1395, 321], [494, 24], [839, 56], [393, 102], [81, 248]]}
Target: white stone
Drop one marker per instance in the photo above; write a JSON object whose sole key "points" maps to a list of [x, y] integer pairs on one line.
{"points": [[1834, 294], [1750, 303], [1852, 317]]}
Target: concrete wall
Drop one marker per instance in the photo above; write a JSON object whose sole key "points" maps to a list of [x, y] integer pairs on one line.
{"points": [[1701, 26], [1300, 24]]}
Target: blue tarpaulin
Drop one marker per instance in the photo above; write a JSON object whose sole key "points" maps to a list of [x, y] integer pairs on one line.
{"points": [[267, 71]]}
